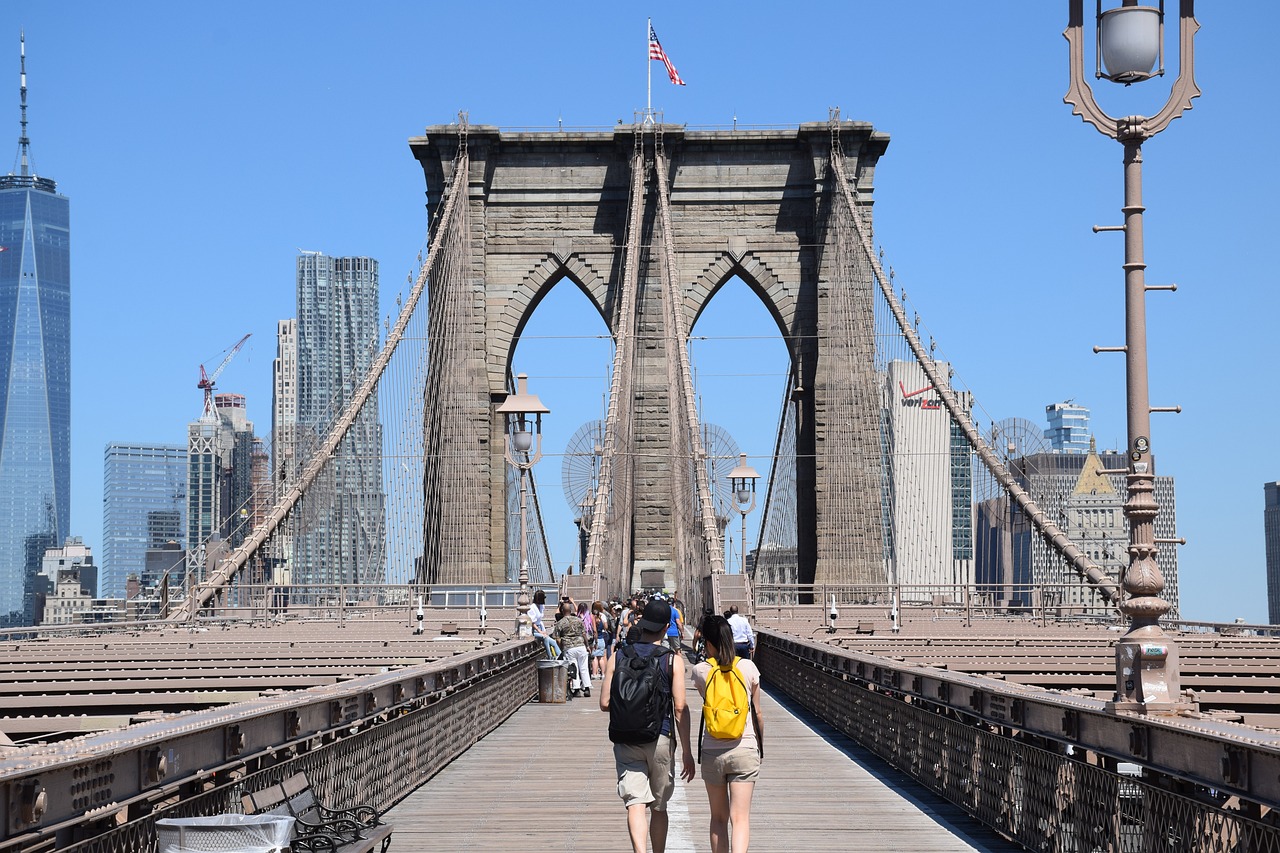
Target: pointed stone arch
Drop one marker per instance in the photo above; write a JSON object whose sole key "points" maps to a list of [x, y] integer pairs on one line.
{"points": [[777, 296], [508, 316]]}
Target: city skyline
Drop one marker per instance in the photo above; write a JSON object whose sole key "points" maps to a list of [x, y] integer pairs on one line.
{"points": [[983, 202]]}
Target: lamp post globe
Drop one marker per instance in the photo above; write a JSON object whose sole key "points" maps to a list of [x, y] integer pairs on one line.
{"points": [[742, 480], [1129, 42]]}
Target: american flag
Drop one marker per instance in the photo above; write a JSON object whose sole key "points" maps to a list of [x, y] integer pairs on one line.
{"points": [[656, 52]]}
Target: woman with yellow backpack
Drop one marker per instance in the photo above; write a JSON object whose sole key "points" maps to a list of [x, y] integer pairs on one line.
{"points": [[731, 743]]}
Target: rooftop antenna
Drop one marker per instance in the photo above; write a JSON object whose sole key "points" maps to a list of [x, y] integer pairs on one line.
{"points": [[24, 144]]}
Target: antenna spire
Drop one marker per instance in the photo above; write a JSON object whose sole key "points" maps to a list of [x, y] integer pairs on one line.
{"points": [[26, 177], [24, 143]]}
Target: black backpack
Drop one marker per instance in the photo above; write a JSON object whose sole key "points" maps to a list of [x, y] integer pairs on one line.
{"points": [[633, 635], [640, 696]]}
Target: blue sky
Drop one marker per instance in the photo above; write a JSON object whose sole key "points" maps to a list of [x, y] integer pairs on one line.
{"points": [[203, 144]]}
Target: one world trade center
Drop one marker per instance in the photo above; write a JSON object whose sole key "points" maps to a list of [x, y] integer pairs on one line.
{"points": [[35, 374]]}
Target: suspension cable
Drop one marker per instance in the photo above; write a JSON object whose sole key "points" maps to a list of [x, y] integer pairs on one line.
{"points": [[227, 569], [1052, 534]]}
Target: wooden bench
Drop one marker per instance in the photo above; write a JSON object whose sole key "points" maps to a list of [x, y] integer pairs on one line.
{"points": [[319, 829]]}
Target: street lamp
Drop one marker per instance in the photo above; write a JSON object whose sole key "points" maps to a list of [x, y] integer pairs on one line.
{"points": [[1129, 44], [523, 449], [742, 480], [586, 509]]}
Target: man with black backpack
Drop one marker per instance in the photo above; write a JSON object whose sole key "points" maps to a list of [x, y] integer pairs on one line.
{"points": [[643, 693]]}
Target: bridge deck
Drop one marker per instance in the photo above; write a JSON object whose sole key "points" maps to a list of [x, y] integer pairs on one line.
{"points": [[545, 780]]}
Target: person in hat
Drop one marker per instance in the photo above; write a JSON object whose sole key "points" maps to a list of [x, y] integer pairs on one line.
{"points": [[646, 769]]}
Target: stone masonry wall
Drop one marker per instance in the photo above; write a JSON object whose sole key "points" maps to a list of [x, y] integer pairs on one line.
{"points": [[744, 203]]}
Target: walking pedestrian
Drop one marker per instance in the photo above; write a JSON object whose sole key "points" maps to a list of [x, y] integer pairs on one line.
{"points": [[570, 633], [643, 693], [675, 628], [588, 624], [730, 689], [631, 629], [744, 639], [604, 638]]}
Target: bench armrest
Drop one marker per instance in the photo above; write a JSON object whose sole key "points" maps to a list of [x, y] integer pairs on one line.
{"points": [[315, 842], [363, 815]]}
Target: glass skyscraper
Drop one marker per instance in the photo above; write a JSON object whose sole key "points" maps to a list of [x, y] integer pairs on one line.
{"points": [[341, 535], [35, 373], [144, 503], [1068, 430]]}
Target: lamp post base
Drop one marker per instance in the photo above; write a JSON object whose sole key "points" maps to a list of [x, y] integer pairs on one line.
{"points": [[1147, 674]]}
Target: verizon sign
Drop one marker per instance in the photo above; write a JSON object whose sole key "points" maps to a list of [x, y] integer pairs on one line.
{"points": [[917, 398]]}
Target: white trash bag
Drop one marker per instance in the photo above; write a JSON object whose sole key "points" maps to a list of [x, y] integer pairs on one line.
{"points": [[225, 832]]}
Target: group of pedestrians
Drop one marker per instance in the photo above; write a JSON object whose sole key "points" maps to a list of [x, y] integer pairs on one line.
{"points": [[634, 648], [643, 691], [581, 634]]}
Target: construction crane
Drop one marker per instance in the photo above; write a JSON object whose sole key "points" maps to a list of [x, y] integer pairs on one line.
{"points": [[206, 381]]}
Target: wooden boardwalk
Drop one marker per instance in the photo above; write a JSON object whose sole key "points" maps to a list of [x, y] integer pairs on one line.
{"points": [[544, 781]]}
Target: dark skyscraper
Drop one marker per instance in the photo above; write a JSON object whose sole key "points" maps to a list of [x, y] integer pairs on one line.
{"points": [[1271, 531], [35, 367]]}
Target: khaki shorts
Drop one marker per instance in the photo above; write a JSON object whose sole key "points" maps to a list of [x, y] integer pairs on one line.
{"points": [[740, 764], [646, 772]]}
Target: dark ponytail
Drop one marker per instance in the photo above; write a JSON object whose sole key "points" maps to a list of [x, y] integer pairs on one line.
{"points": [[717, 631]]}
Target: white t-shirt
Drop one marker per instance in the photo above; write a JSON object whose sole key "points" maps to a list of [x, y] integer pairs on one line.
{"points": [[751, 675], [535, 616]]}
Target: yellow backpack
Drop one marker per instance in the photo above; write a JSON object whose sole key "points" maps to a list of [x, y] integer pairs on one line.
{"points": [[727, 702]]}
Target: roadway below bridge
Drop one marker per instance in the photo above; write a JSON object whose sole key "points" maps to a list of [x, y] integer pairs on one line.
{"points": [[544, 780]]}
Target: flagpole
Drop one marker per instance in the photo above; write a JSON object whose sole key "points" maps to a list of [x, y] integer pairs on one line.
{"points": [[648, 66]]}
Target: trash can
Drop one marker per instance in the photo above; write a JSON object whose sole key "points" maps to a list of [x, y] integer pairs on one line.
{"points": [[239, 832], [553, 681]]}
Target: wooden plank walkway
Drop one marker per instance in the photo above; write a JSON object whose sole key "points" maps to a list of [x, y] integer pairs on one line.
{"points": [[544, 781]]}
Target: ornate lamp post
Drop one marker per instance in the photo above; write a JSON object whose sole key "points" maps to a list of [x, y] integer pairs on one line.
{"points": [[523, 412], [743, 482], [586, 509], [1129, 45]]}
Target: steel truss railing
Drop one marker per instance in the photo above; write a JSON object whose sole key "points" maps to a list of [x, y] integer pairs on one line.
{"points": [[1045, 769], [1038, 601], [372, 739]]}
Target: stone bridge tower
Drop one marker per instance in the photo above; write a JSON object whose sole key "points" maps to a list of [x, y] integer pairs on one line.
{"points": [[543, 207]]}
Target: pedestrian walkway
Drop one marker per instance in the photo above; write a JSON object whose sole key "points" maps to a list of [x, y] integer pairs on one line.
{"points": [[544, 781]]}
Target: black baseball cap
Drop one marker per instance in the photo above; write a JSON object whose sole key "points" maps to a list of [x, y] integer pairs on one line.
{"points": [[657, 616]]}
